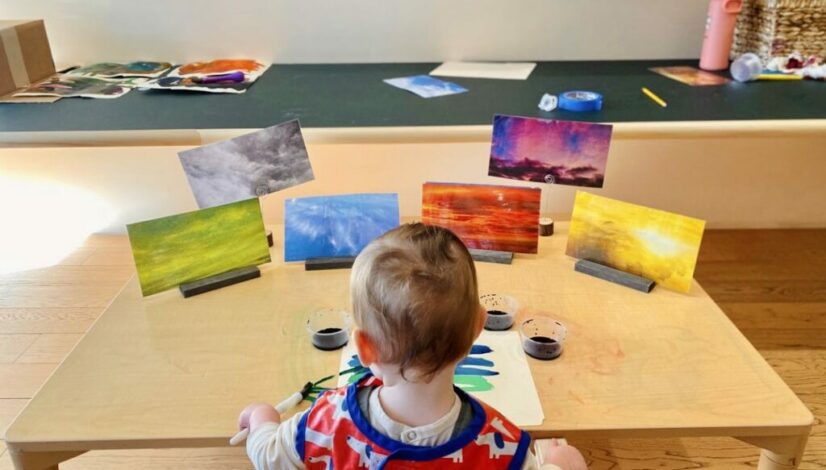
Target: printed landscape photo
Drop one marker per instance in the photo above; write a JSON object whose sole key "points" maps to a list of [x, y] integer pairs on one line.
{"points": [[186, 247], [549, 151], [657, 245], [251, 165], [329, 226], [485, 217]]}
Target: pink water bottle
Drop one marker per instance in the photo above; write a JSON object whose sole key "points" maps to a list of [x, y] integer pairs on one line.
{"points": [[722, 14]]}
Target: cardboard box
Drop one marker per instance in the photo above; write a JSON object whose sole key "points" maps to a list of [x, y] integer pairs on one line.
{"points": [[25, 55]]}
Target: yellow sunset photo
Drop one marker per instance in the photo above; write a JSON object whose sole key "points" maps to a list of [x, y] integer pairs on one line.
{"points": [[657, 245]]}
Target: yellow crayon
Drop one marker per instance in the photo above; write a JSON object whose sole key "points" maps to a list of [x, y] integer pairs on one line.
{"points": [[778, 76], [654, 97]]}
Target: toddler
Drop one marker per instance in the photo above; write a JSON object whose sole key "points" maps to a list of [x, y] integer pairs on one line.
{"points": [[417, 312]]}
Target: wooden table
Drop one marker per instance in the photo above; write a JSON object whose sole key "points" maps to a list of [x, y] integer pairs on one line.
{"points": [[172, 372]]}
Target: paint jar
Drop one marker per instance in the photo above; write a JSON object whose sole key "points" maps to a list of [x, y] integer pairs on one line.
{"points": [[329, 328], [543, 337], [501, 310]]}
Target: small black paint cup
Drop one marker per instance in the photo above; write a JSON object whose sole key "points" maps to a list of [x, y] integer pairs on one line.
{"points": [[329, 329], [501, 310], [543, 338]]}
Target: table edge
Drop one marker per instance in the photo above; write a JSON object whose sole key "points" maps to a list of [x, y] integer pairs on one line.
{"points": [[405, 134]]}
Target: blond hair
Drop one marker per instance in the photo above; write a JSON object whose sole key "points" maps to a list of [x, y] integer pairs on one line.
{"points": [[415, 296]]}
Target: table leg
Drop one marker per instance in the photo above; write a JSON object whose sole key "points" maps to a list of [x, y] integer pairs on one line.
{"points": [[779, 453], [39, 460]]}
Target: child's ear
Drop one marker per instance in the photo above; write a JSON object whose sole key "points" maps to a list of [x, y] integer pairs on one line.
{"points": [[365, 348], [480, 324]]}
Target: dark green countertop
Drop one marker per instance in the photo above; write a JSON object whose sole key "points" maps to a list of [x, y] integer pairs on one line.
{"points": [[353, 95]]}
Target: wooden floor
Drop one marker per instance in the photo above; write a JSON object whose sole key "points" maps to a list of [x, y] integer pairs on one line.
{"points": [[771, 283]]}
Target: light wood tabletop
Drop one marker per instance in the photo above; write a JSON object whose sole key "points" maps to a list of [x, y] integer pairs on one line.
{"points": [[165, 371]]}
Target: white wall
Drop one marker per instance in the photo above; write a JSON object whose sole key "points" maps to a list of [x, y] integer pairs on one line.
{"points": [[306, 31], [730, 182]]}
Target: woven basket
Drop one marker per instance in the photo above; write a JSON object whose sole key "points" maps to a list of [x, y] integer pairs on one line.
{"points": [[772, 28]]}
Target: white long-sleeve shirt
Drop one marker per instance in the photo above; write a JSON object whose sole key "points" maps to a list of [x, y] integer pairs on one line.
{"points": [[271, 446]]}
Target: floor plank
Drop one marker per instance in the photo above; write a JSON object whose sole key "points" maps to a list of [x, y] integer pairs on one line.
{"points": [[13, 345], [766, 291], [756, 270], [110, 256], [49, 349], [76, 257], [224, 458], [52, 296], [771, 315], [786, 338], [683, 454], [23, 380], [68, 275], [47, 320]]}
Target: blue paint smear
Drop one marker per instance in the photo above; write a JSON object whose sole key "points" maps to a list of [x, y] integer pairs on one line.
{"points": [[462, 370], [476, 361], [480, 349]]}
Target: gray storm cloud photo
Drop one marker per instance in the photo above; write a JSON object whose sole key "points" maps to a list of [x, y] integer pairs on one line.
{"points": [[251, 165]]}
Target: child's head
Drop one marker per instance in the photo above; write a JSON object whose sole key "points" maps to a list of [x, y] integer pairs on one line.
{"points": [[415, 298]]}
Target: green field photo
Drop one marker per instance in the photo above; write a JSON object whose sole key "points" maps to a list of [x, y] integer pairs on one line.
{"points": [[186, 247]]}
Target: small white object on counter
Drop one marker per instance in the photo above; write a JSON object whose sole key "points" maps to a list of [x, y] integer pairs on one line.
{"points": [[548, 102]]}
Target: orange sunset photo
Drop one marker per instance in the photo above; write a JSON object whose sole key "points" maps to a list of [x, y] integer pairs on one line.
{"points": [[485, 217]]}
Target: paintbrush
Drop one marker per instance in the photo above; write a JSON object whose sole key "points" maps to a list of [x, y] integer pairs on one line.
{"points": [[286, 405]]}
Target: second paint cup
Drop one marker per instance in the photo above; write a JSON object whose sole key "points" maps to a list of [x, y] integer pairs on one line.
{"points": [[542, 337], [329, 329], [501, 311]]}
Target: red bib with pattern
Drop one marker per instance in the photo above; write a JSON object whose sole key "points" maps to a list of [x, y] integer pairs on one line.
{"points": [[334, 434]]}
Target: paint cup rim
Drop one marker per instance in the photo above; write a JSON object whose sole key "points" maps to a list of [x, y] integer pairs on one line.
{"points": [[559, 329], [511, 307], [343, 315]]}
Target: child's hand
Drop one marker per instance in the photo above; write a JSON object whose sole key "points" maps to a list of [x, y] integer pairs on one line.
{"points": [[559, 453], [256, 414]]}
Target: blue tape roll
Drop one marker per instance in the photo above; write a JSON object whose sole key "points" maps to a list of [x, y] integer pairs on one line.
{"points": [[580, 101]]}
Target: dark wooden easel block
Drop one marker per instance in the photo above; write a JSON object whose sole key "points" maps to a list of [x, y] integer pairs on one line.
{"points": [[491, 256], [614, 275], [219, 280], [332, 262]]}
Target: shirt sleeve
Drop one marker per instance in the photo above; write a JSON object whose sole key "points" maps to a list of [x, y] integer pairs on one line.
{"points": [[532, 463], [272, 446]]}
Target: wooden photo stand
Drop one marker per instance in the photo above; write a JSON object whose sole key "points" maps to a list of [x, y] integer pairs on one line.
{"points": [[219, 280], [614, 275], [331, 262], [491, 256]]}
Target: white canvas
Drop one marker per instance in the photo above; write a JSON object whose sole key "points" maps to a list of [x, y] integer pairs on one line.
{"points": [[513, 393], [500, 70]]}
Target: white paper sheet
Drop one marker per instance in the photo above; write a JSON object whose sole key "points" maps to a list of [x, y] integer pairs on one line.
{"points": [[513, 393], [500, 70]]}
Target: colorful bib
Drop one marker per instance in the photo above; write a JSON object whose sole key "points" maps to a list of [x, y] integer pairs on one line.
{"points": [[334, 434]]}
